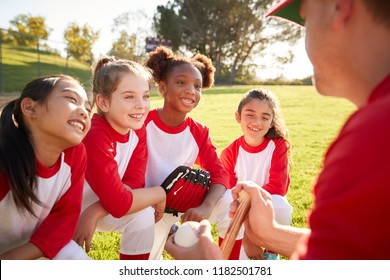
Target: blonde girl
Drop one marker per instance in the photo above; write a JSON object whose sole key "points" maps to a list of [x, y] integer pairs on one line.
{"points": [[114, 195]]}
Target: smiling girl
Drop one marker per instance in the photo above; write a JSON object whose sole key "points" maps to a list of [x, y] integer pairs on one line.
{"points": [[175, 139], [114, 195], [261, 155], [42, 165]]}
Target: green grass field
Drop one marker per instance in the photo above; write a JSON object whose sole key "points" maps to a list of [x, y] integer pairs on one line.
{"points": [[313, 122], [20, 65]]}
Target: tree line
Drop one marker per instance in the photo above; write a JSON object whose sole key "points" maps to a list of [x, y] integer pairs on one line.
{"points": [[231, 32]]}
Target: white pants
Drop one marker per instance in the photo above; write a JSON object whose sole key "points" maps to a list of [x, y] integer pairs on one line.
{"points": [[219, 217], [282, 213], [137, 235], [72, 251], [137, 230], [282, 210]]}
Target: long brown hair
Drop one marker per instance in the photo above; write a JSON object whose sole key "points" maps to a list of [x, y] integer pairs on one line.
{"points": [[278, 129]]}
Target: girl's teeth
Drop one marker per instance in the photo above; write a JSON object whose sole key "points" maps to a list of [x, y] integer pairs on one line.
{"points": [[77, 124], [137, 116]]}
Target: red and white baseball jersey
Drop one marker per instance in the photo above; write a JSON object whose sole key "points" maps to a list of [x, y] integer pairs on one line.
{"points": [[186, 144], [266, 164], [114, 159], [59, 188], [351, 214]]}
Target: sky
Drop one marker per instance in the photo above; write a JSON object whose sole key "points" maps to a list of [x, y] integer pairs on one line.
{"points": [[99, 14]]}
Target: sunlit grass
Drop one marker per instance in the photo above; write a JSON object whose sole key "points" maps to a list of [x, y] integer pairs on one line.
{"points": [[20, 65]]}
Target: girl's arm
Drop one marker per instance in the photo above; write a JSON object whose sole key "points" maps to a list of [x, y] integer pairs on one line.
{"points": [[142, 198], [279, 179], [60, 225], [229, 159], [87, 224], [26, 251], [102, 174], [134, 175]]}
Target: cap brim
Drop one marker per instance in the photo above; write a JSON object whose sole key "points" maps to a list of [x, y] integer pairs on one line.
{"points": [[287, 9]]}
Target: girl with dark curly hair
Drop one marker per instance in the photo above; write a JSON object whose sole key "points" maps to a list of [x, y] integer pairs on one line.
{"points": [[176, 139]]}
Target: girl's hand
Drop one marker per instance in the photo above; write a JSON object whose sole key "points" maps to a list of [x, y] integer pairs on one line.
{"points": [[159, 210], [84, 232], [197, 214], [87, 224]]}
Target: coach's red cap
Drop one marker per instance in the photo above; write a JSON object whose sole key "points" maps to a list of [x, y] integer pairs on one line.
{"points": [[287, 9]]}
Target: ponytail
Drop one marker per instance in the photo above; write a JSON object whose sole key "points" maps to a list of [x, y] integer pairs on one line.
{"points": [[17, 158]]}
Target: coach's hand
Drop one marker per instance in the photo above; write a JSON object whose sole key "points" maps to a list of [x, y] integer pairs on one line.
{"points": [[205, 249]]}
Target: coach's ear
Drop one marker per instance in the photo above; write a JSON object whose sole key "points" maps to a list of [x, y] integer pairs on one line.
{"points": [[342, 12], [238, 117]]}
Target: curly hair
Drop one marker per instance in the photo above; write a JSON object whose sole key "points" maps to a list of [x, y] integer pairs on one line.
{"points": [[163, 60]]}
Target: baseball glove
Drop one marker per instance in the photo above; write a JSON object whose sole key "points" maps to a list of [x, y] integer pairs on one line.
{"points": [[186, 188]]}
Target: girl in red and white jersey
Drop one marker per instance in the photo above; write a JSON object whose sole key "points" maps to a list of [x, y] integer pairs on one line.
{"points": [[261, 155], [114, 195], [42, 167], [175, 139]]}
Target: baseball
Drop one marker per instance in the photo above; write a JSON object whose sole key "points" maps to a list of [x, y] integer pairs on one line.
{"points": [[187, 234]]}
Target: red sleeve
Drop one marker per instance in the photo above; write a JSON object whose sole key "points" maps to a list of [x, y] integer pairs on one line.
{"points": [[102, 173], [134, 175], [229, 160], [350, 218], [59, 226], [208, 158], [279, 179]]}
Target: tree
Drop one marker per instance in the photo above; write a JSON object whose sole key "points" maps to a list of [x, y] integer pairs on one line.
{"points": [[165, 24], [131, 27], [230, 32], [80, 40], [26, 30]]}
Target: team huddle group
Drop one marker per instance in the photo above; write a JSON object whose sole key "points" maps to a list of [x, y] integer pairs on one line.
{"points": [[65, 174], [104, 172]]}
